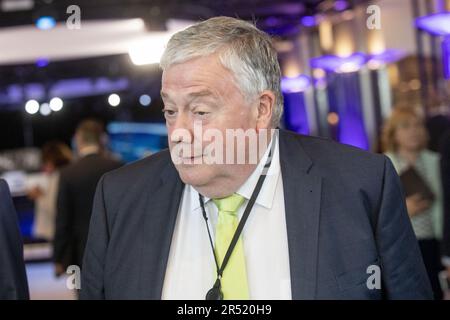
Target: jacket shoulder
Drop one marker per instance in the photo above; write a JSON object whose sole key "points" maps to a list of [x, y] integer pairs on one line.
{"points": [[326, 151], [4, 189], [140, 170]]}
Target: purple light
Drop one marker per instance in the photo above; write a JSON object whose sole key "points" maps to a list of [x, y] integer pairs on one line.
{"points": [[340, 5], [272, 21], [388, 56], [42, 62], [338, 64], [446, 57], [436, 24], [308, 21], [295, 112], [297, 84]]}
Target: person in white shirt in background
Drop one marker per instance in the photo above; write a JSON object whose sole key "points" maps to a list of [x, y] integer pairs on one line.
{"points": [[55, 155]]}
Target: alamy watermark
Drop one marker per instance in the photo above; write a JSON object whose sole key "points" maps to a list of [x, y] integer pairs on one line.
{"points": [[374, 279], [73, 22], [73, 281], [213, 146], [374, 19]]}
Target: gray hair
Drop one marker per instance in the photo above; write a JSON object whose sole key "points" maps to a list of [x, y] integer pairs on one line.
{"points": [[243, 49]]}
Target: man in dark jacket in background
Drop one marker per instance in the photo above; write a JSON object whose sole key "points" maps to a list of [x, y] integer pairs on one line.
{"points": [[13, 279], [76, 193]]}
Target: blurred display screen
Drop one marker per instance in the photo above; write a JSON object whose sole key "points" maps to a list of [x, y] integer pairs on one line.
{"points": [[132, 141]]}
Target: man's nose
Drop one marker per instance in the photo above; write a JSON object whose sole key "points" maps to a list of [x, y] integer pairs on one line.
{"points": [[182, 129]]}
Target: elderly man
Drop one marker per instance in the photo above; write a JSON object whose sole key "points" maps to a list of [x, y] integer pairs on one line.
{"points": [[309, 219]]}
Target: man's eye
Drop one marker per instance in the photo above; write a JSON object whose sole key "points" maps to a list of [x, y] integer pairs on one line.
{"points": [[201, 113], [168, 112]]}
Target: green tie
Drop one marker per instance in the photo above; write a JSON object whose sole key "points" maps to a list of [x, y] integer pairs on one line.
{"points": [[234, 278]]}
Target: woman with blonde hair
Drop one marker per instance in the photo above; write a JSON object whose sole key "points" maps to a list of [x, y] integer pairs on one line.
{"points": [[404, 141]]}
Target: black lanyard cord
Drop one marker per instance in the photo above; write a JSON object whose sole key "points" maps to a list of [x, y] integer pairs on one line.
{"points": [[202, 203]]}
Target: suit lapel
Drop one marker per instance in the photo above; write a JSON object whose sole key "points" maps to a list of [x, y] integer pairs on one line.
{"points": [[302, 191], [159, 223]]}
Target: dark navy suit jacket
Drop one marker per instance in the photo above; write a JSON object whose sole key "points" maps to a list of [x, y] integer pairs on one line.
{"points": [[345, 211], [13, 280]]}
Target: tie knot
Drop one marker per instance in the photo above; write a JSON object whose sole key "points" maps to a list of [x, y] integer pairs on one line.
{"points": [[229, 204]]}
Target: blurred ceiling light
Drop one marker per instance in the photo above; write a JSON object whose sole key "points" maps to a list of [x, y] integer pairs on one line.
{"points": [[16, 5], [174, 25], [114, 100], [390, 55], [297, 84], [326, 35], [349, 67], [42, 62], [45, 109], [45, 23], [333, 118], [56, 104], [437, 24], [149, 49], [32, 106], [340, 5], [284, 46], [291, 67], [414, 84], [373, 64], [375, 42], [145, 100], [95, 38], [308, 21], [339, 64], [344, 45], [319, 73]]}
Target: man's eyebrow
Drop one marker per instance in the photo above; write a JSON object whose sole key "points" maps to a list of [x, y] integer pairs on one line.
{"points": [[163, 95], [201, 93]]}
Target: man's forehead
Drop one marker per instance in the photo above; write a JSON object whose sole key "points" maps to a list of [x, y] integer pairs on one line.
{"points": [[196, 78]]}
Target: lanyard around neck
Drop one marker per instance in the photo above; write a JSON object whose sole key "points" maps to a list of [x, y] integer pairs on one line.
{"points": [[215, 292]]}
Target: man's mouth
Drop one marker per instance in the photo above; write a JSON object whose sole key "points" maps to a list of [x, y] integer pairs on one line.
{"points": [[192, 157]]}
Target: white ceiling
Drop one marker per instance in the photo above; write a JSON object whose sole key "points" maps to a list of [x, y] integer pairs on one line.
{"points": [[26, 44]]}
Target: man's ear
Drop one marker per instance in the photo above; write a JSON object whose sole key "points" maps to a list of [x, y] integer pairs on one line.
{"points": [[265, 109]]}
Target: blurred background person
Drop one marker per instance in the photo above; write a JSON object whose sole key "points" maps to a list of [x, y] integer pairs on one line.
{"points": [[404, 141], [77, 186], [55, 155]]}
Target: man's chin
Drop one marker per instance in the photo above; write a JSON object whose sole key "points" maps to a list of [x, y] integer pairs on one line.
{"points": [[192, 175]]}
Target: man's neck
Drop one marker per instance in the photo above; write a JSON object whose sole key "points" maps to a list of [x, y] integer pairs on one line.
{"points": [[87, 150]]}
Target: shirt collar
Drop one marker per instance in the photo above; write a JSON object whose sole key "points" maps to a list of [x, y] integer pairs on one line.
{"points": [[267, 192]]}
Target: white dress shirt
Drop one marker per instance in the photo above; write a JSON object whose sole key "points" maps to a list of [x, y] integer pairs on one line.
{"points": [[191, 270]]}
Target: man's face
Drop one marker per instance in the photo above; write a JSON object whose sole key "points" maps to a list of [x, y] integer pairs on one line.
{"points": [[201, 90]]}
